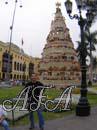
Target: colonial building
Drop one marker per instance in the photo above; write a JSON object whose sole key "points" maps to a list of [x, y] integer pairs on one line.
{"points": [[59, 65], [21, 65]]}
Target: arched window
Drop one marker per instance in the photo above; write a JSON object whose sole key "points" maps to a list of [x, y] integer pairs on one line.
{"points": [[14, 76], [24, 67], [14, 65], [31, 69], [65, 57], [20, 67], [17, 76], [17, 66]]}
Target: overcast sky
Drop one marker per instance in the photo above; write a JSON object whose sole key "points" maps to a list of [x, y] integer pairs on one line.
{"points": [[32, 23]]}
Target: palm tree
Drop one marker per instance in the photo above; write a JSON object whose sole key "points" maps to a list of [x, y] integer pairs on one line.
{"points": [[91, 41], [91, 38], [78, 50], [95, 66]]}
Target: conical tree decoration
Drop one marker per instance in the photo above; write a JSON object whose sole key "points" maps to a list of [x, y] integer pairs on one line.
{"points": [[59, 55]]}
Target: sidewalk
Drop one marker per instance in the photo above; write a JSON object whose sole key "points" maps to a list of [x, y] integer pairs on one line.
{"points": [[70, 122]]}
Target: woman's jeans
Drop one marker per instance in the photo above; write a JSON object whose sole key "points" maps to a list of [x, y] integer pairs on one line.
{"points": [[5, 124], [40, 118]]}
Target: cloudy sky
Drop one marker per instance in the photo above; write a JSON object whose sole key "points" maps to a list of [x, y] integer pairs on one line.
{"points": [[32, 23]]}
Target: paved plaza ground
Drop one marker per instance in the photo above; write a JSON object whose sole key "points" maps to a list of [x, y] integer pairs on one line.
{"points": [[70, 122]]}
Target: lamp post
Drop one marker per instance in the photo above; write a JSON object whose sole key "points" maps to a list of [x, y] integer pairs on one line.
{"points": [[83, 106], [10, 42]]}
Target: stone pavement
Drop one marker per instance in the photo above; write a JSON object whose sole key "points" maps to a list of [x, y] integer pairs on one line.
{"points": [[70, 122]]}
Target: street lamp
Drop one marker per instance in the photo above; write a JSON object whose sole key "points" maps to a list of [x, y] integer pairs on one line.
{"points": [[11, 32], [83, 106]]}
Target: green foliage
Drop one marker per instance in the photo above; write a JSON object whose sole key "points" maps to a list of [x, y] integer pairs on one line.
{"points": [[92, 99], [10, 92], [52, 93], [76, 91], [90, 42]]}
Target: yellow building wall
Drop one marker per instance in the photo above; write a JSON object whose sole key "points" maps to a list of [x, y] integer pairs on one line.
{"points": [[19, 57], [2, 49]]}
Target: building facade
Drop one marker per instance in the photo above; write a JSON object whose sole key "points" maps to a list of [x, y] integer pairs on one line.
{"points": [[21, 65], [59, 65]]}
